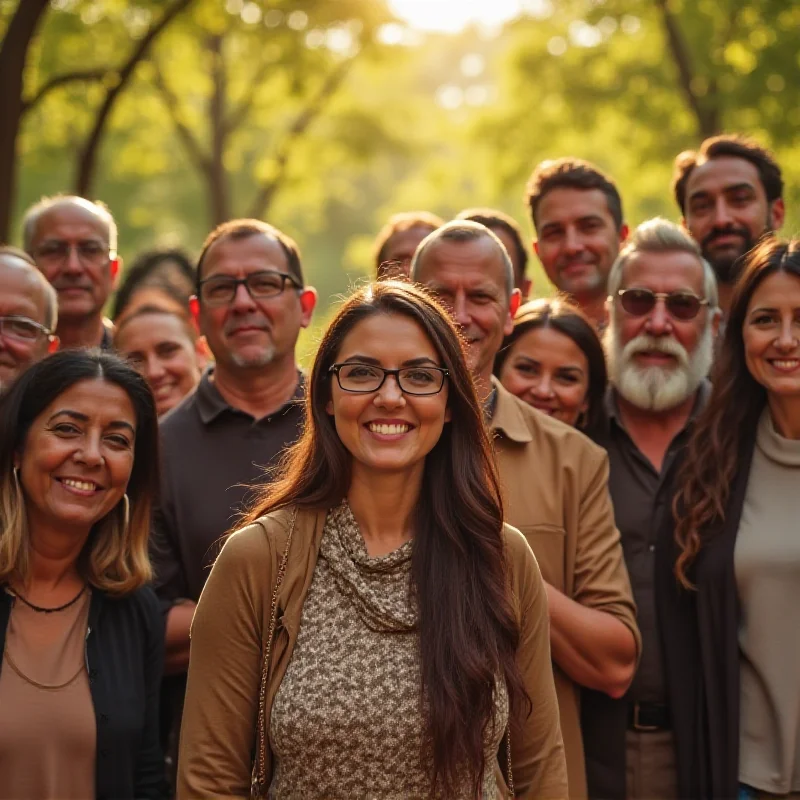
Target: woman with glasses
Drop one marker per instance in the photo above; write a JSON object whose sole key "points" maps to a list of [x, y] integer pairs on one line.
{"points": [[81, 634], [730, 621], [553, 360], [375, 630]]}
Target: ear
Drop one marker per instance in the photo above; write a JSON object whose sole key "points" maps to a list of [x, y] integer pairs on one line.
{"points": [[194, 310], [448, 414], [624, 232], [535, 244], [115, 268], [513, 305], [715, 323], [202, 351], [308, 301], [777, 213], [53, 344]]}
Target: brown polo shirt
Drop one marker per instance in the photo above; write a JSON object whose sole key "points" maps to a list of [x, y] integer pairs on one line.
{"points": [[213, 455], [640, 497]]}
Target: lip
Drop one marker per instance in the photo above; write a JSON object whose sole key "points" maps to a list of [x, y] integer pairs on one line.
{"points": [[546, 408], [786, 366], [388, 437], [74, 490], [728, 240], [654, 357], [246, 329], [576, 268]]}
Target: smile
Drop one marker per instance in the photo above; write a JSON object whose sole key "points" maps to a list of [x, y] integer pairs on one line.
{"points": [[79, 487], [787, 364], [388, 430]]}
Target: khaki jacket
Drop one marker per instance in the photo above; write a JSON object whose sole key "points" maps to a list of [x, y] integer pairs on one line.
{"points": [[555, 491], [232, 622]]}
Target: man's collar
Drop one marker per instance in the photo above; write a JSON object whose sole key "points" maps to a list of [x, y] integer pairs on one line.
{"points": [[211, 403], [508, 416]]}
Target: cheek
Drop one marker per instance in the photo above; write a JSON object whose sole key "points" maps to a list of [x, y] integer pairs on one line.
{"points": [[120, 466]]}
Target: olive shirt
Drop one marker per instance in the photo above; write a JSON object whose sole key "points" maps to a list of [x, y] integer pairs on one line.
{"points": [[228, 639], [555, 491]]}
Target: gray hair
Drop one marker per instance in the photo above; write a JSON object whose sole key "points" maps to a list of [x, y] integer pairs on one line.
{"points": [[34, 213], [463, 231], [659, 235], [50, 295]]}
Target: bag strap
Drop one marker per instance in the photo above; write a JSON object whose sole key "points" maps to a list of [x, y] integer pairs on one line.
{"points": [[508, 762], [259, 775]]}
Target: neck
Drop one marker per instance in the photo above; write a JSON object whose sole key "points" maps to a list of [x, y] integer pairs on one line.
{"points": [[383, 504], [785, 413], [595, 309], [257, 391], [725, 295], [53, 559], [83, 332]]}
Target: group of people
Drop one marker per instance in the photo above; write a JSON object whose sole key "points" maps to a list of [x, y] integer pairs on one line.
{"points": [[486, 547]]}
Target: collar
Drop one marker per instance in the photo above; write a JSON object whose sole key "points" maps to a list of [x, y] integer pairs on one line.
{"points": [[700, 400], [508, 416], [210, 403]]}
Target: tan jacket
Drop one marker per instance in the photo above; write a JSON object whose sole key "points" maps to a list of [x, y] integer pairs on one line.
{"points": [[555, 491], [232, 621]]}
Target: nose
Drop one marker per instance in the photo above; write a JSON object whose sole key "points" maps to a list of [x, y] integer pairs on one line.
{"points": [[72, 264], [460, 311], [787, 337], [153, 368], [543, 387], [389, 395], [722, 213], [242, 300], [658, 321], [89, 452], [573, 242]]}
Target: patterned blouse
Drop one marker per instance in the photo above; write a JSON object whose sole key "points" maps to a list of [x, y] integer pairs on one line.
{"points": [[346, 721]]}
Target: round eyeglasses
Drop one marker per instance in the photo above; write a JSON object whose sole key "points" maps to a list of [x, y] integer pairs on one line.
{"points": [[219, 290], [682, 305], [365, 378]]}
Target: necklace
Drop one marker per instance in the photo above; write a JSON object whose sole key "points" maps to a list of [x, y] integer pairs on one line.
{"points": [[42, 610]]}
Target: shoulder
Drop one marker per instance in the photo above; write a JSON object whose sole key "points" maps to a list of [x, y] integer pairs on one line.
{"points": [[522, 564], [181, 419]]}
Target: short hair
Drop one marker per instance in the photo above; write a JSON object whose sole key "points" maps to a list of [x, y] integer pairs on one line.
{"points": [[143, 267], [149, 309], [115, 556], [50, 294], [659, 235], [463, 231], [571, 173], [561, 314], [237, 229], [35, 212], [400, 223], [493, 219], [733, 145]]}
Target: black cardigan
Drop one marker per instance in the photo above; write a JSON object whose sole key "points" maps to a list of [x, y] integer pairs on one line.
{"points": [[125, 658], [700, 639]]}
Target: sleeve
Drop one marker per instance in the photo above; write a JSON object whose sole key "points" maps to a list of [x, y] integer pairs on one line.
{"points": [[150, 776], [538, 762], [219, 720], [601, 577]]}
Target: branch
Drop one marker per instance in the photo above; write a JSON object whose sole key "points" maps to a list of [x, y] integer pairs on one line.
{"points": [[86, 166], [301, 123], [706, 118], [78, 76], [192, 144], [238, 114]]}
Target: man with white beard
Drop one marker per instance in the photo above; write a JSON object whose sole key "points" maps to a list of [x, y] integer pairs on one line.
{"points": [[663, 318]]}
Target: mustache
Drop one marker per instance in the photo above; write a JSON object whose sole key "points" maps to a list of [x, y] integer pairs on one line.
{"points": [[655, 344], [730, 230], [247, 322]]}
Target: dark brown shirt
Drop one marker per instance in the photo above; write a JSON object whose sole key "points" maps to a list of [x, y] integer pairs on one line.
{"points": [[212, 457], [641, 495]]}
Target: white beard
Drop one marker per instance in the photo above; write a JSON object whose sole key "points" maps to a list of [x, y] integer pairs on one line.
{"points": [[657, 388]]}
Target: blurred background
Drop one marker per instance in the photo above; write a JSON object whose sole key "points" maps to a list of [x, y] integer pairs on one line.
{"points": [[323, 117]]}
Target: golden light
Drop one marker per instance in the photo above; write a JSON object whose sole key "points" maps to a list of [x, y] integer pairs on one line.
{"points": [[451, 16]]}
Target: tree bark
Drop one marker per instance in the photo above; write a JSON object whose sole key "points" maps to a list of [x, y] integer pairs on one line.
{"points": [[87, 163], [705, 111], [217, 176], [13, 54]]}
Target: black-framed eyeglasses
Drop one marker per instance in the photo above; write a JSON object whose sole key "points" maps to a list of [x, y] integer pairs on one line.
{"points": [[682, 305], [90, 252], [219, 290], [365, 378], [23, 329]]}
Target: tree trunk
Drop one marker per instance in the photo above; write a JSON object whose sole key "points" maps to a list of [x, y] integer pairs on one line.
{"points": [[87, 163], [13, 53], [217, 176]]}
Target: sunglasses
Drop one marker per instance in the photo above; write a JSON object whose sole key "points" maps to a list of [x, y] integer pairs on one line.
{"points": [[681, 305]]}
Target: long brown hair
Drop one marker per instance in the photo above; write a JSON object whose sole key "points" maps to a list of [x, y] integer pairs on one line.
{"points": [[736, 402], [467, 627]]}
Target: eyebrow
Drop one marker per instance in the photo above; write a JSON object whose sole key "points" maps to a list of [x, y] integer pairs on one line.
{"points": [[563, 368], [725, 189], [412, 362], [76, 415]]}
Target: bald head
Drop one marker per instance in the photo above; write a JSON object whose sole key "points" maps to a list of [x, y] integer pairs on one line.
{"points": [[27, 314], [37, 214]]}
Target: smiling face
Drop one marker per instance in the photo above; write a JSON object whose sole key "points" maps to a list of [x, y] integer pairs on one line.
{"points": [[248, 333], [83, 283], [727, 211], [469, 277], [388, 430], [77, 457], [578, 241], [548, 370], [656, 361], [771, 333], [160, 348]]}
